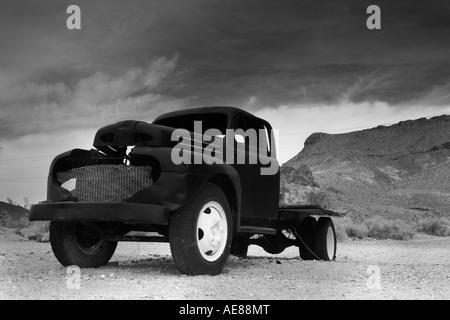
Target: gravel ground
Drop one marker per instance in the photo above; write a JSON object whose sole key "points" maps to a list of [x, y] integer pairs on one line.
{"points": [[364, 269]]}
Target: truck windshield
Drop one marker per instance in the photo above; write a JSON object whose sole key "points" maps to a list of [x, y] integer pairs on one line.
{"points": [[208, 121]]}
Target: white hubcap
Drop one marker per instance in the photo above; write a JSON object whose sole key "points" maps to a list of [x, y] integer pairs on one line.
{"points": [[212, 231]]}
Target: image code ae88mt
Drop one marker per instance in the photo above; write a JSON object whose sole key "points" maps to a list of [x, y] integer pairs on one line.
{"points": [[248, 309]]}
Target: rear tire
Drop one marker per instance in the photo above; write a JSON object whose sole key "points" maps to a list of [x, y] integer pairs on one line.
{"points": [[200, 233], [306, 231], [76, 244], [325, 239]]}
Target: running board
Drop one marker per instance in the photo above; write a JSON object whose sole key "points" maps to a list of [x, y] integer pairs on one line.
{"points": [[137, 238], [249, 229]]}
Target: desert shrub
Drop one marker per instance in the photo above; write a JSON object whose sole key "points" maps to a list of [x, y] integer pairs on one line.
{"points": [[434, 226], [381, 228], [15, 223], [356, 230], [339, 226], [378, 228], [36, 230], [32, 230]]}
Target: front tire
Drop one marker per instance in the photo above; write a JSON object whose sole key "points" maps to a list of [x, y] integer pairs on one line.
{"points": [[76, 244], [200, 233]]}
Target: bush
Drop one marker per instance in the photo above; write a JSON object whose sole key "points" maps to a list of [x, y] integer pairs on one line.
{"points": [[381, 228], [37, 230], [378, 228], [10, 222], [434, 226], [339, 226], [32, 230], [359, 231]]}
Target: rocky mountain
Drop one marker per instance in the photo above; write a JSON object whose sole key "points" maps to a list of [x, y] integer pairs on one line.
{"points": [[400, 171]]}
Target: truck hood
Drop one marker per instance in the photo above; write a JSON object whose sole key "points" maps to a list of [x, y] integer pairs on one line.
{"points": [[133, 133]]}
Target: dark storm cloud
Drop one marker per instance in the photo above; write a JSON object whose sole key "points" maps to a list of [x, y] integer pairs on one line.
{"points": [[213, 52], [90, 102], [314, 52]]}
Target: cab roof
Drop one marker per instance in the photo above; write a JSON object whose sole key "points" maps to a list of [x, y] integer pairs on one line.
{"points": [[229, 111]]}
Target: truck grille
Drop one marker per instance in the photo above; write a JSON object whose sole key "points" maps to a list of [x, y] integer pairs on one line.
{"points": [[105, 183]]}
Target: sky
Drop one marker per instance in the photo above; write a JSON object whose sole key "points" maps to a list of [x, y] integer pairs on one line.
{"points": [[305, 66]]}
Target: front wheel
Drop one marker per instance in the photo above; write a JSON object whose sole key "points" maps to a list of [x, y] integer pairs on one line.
{"points": [[200, 233], [74, 243]]}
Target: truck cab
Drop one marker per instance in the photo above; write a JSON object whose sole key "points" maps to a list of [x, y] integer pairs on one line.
{"points": [[247, 142]]}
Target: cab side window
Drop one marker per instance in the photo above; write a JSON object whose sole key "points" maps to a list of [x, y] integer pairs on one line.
{"points": [[253, 130]]}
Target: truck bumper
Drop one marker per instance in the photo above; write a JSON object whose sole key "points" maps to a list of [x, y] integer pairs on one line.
{"points": [[114, 212]]}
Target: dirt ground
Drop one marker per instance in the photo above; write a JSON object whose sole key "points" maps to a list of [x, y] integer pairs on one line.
{"points": [[364, 269]]}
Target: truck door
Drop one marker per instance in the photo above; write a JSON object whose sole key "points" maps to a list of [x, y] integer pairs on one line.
{"points": [[260, 187]]}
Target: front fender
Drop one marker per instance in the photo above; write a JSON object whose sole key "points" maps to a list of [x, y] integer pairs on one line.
{"points": [[180, 182], [175, 189]]}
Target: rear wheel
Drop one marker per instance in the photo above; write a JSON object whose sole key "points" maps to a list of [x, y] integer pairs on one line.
{"points": [[200, 233], [306, 231], [325, 239], [74, 243]]}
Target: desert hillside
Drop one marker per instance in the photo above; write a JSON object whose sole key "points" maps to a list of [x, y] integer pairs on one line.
{"points": [[11, 211], [400, 171]]}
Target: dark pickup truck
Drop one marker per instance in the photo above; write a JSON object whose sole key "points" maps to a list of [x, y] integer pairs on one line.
{"points": [[206, 180]]}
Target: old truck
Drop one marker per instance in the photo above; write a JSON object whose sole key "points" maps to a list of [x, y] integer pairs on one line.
{"points": [[164, 182]]}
